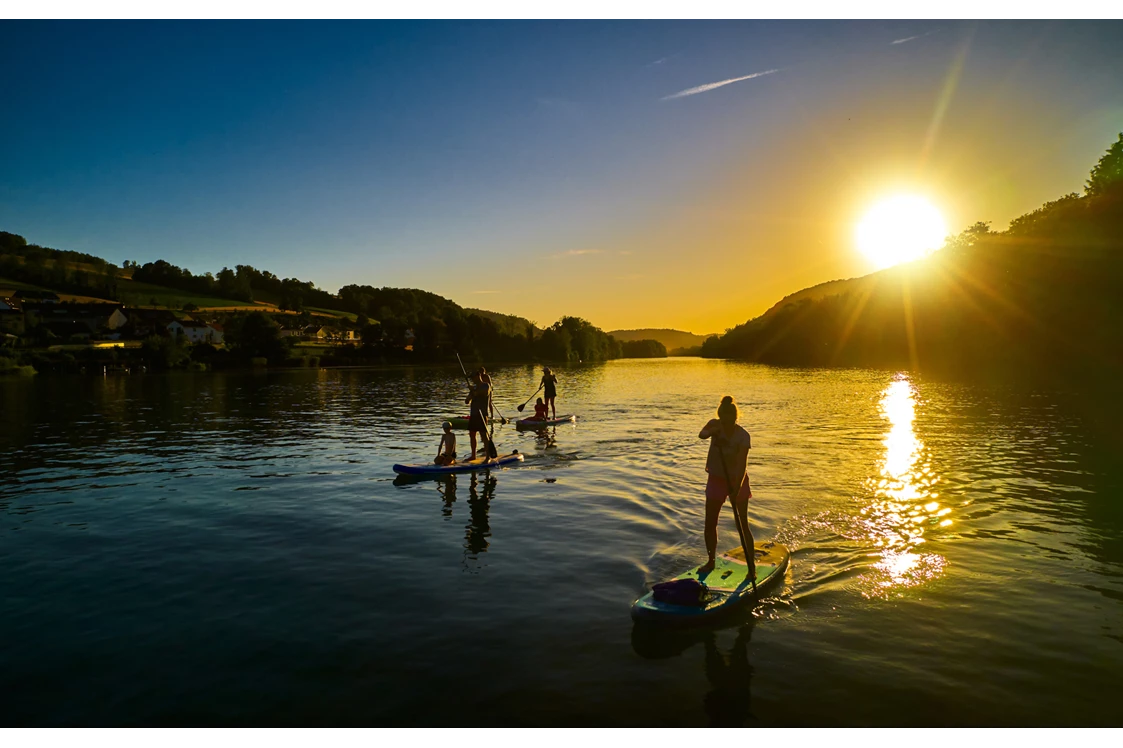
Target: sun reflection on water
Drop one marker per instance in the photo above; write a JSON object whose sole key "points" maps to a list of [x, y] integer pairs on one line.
{"points": [[905, 502]]}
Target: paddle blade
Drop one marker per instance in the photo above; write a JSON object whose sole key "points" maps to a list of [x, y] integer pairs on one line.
{"points": [[522, 407]]}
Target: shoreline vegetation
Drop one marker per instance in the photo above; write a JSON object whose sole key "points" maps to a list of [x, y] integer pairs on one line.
{"points": [[1039, 298]]}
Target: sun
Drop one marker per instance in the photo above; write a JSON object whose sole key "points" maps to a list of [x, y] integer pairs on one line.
{"points": [[900, 229]]}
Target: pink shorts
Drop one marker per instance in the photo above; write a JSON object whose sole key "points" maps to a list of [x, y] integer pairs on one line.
{"points": [[717, 490]]}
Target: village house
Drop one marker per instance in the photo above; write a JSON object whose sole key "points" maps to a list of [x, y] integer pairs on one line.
{"points": [[315, 332], [195, 331]]}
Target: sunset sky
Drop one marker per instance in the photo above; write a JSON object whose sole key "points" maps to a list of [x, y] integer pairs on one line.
{"points": [[540, 169]]}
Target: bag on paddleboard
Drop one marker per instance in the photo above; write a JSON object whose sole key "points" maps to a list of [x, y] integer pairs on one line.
{"points": [[680, 592]]}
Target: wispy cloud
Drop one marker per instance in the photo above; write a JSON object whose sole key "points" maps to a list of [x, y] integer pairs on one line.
{"points": [[577, 253], [662, 60], [718, 84], [625, 252], [911, 38], [482, 292]]}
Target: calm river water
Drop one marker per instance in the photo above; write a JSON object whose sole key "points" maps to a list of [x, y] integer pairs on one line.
{"points": [[201, 549]]}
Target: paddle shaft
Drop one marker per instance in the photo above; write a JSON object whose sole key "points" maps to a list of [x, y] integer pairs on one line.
{"points": [[523, 406], [492, 452], [502, 418], [734, 491]]}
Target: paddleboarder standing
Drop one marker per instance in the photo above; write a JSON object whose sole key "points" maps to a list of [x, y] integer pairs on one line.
{"points": [[486, 379], [550, 382], [480, 400], [726, 463]]}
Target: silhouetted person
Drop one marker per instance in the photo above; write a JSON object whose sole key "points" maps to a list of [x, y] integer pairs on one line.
{"points": [[541, 410], [446, 450], [726, 461], [480, 400], [550, 382], [486, 379]]}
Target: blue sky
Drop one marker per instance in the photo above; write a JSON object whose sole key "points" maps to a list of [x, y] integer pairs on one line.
{"points": [[538, 168]]}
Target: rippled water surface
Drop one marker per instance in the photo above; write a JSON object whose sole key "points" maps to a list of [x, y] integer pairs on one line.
{"points": [[234, 549]]}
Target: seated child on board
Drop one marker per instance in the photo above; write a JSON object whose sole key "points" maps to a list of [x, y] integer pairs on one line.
{"points": [[446, 450], [540, 410]]}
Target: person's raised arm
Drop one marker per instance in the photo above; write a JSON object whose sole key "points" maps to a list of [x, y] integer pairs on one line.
{"points": [[709, 429]]}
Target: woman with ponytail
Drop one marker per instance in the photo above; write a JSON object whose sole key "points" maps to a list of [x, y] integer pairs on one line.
{"points": [[726, 462]]}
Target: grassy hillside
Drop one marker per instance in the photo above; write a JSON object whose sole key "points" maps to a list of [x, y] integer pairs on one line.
{"points": [[135, 293]]}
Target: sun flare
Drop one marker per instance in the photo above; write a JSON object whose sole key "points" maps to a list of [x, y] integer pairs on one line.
{"points": [[900, 229]]}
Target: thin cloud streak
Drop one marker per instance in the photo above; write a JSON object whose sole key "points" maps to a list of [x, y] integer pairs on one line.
{"points": [[911, 38], [662, 60], [577, 253], [718, 84]]}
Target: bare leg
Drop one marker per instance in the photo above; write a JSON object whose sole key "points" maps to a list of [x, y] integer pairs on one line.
{"points": [[713, 511], [472, 439], [553, 407]]}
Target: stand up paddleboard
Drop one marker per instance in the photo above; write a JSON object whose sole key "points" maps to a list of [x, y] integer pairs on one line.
{"points": [[467, 466], [534, 423], [728, 586]]}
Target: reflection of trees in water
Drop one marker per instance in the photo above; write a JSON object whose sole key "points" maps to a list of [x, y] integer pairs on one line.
{"points": [[1096, 471], [728, 701], [478, 529]]}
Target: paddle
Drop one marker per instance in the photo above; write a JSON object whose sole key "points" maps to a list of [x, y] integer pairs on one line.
{"points": [[492, 452], [523, 406], [502, 418], [733, 492]]}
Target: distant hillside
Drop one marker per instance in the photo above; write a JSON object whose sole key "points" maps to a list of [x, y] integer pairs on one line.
{"points": [[823, 290], [670, 339], [508, 323]]}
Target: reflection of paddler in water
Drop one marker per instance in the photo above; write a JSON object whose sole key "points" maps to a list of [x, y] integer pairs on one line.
{"points": [[478, 529], [728, 703], [546, 437], [446, 487]]}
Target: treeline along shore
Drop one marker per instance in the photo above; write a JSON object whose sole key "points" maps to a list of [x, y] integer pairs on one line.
{"points": [[69, 311]]}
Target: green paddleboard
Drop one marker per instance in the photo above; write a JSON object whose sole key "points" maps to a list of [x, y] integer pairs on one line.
{"points": [[728, 585]]}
